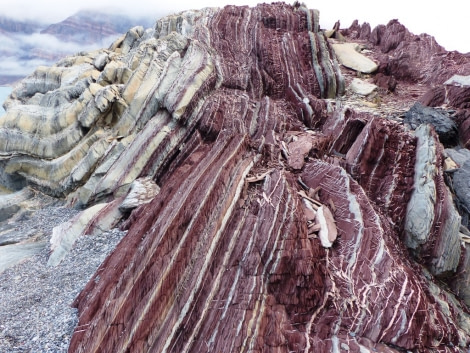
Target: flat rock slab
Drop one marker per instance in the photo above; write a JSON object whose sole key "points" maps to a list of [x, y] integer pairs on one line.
{"points": [[10, 255], [298, 149], [14, 236], [459, 156], [362, 87], [349, 56], [458, 80], [94, 220]]}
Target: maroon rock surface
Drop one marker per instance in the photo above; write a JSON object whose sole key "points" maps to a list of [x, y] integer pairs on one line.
{"points": [[293, 215], [227, 256], [410, 57]]}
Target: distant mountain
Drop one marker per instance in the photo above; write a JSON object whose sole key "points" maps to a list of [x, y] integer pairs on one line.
{"points": [[9, 25], [92, 27], [24, 45]]}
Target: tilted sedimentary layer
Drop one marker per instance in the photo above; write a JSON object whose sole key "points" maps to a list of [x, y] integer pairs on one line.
{"points": [[279, 216]]}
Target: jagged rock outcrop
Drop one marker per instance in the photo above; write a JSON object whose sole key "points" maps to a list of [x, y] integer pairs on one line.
{"points": [[410, 57], [278, 215]]}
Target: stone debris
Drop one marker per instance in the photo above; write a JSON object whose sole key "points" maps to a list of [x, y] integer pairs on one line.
{"points": [[142, 191], [102, 216], [36, 313], [362, 87]]}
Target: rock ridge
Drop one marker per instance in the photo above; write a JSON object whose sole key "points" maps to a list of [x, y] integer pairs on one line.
{"points": [[269, 207]]}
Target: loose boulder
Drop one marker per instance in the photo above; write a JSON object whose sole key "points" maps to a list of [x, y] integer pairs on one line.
{"points": [[349, 55], [362, 87], [442, 123]]}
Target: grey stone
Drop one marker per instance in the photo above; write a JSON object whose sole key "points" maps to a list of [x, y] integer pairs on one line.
{"points": [[460, 285], [361, 87], [458, 80], [11, 255], [420, 211], [15, 236], [100, 61], [459, 156], [444, 126], [461, 184], [10, 203], [348, 55]]}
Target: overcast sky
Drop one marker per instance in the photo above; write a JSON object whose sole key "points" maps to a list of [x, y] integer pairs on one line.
{"points": [[443, 20]]}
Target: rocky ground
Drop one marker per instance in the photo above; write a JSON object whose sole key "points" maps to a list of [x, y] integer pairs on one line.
{"points": [[36, 313]]}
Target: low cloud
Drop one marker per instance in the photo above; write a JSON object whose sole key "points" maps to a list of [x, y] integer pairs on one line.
{"points": [[22, 54], [18, 67], [52, 44]]}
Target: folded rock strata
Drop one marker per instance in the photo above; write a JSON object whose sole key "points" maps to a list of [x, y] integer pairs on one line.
{"points": [[237, 115]]}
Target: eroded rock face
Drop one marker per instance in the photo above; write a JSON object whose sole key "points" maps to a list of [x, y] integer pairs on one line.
{"points": [[286, 219]]}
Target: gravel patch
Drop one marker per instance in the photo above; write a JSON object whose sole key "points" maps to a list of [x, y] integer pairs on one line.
{"points": [[35, 311]]}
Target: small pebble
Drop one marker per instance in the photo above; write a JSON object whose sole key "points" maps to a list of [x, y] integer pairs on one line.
{"points": [[36, 314]]}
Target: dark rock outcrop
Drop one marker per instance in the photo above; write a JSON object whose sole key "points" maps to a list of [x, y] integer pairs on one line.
{"points": [[289, 218], [455, 92], [442, 123], [461, 184]]}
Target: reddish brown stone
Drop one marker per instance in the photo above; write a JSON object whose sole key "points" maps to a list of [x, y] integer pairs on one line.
{"points": [[227, 256]]}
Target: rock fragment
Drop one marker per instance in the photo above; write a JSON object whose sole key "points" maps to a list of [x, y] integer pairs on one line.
{"points": [[142, 191], [444, 126], [349, 55], [362, 87]]}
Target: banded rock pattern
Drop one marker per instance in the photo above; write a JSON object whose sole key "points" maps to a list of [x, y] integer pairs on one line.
{"points": [[236, 116]]}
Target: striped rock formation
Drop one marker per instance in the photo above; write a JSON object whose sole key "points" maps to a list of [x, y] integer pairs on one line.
{"points": [[287, 219]]}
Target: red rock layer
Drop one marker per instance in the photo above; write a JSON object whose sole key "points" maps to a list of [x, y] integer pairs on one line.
{"points": [[274, 50], [372, 294], [382, 161], [225, 258]]}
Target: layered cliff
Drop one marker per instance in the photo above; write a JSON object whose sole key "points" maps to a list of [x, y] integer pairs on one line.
{"points": [[282, 207]]}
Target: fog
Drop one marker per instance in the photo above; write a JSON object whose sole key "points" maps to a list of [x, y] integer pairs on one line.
{"points": [[21, 54]]}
